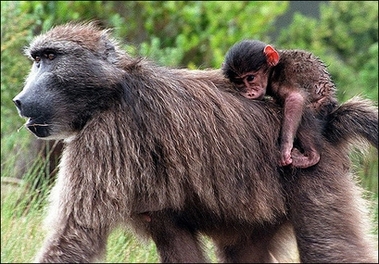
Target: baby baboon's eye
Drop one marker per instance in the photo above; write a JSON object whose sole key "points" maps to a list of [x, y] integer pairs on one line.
{"points": [[239, 84], [250, 78], [236, 81]]}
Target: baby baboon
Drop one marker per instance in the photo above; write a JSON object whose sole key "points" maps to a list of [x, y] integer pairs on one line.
{"points": [[297, 80], [174, 155]]}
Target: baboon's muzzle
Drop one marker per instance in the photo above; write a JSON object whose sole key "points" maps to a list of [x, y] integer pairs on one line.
{"points": [[36, 123]]}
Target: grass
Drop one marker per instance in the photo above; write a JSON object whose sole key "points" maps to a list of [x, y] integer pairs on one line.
{"points": [[123, 247], [22, 235]]}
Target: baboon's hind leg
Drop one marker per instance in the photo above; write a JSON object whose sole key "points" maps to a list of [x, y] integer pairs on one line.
{"points": [[270, 245], [175, 243]]}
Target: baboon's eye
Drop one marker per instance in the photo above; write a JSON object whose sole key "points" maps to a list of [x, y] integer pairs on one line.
{"points": [[49, 56], [37, 59]]}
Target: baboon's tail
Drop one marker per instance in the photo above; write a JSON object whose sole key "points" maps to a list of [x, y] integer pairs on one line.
{"points": [[354, 121]]}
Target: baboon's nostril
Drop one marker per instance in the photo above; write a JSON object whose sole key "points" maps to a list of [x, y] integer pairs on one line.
{"points": [[17, 103]]}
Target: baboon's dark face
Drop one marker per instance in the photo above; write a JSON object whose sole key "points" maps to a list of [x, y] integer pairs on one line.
{"points": [[68, 83]]}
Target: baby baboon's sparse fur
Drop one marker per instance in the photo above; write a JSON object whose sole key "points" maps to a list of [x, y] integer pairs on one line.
{"points": [[173, 154]]}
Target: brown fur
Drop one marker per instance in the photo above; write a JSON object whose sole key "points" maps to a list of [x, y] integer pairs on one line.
{"points": [[172, 146]]}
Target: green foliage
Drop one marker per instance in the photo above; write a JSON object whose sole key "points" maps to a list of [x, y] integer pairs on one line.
{"points": [[368, 73], [206, 29], [14, 66], [193, 33]]}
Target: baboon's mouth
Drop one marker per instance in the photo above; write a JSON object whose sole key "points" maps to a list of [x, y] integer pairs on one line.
{"points": [[38, 128]]}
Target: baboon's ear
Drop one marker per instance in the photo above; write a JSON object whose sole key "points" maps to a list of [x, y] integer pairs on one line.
{"points": [[272, 56], [108, 49]]}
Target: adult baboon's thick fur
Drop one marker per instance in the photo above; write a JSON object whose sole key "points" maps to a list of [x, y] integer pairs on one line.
{"points": [[171, 153]]}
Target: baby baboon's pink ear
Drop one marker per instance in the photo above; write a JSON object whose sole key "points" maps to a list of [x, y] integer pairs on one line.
{"points": [[272, 56]]}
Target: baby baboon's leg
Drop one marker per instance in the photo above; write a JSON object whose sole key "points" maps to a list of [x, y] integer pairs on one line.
{"points": [[309, 136]]}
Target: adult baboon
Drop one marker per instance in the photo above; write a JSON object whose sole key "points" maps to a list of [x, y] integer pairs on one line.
{"points": [[174, 155]]}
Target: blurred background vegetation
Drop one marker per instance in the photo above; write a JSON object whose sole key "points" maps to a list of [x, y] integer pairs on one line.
{"points": [[193, 34]]}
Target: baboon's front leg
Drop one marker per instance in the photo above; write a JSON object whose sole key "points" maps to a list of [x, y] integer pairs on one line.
{"points": [[73, 243]]}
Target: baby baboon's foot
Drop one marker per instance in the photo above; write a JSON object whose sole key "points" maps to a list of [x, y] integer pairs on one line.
{"points": [[306, 160]]}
